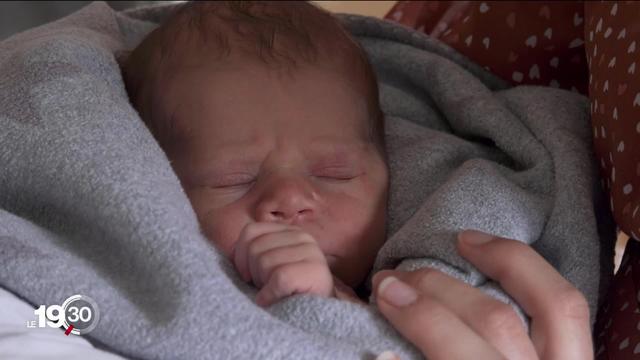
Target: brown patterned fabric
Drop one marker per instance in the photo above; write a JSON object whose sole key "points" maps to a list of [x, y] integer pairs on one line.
{"points": [[617, 329], [588, 47], [613, 35], [522, 42]]}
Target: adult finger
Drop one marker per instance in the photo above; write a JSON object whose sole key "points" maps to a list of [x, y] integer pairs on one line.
{"points": [[559, 312], [427, 323], [494, 321]]}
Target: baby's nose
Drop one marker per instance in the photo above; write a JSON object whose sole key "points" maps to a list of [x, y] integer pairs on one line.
{"points": [[287, 216], [287, 201]]}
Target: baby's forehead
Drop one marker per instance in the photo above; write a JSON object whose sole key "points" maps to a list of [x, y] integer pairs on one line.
{"points": [[206, 34], [277, 34]]}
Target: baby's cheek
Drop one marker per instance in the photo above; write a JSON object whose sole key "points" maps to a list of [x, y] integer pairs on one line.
{"points": [[220, 224], [349, 221], [223, 228], [360, 224]]}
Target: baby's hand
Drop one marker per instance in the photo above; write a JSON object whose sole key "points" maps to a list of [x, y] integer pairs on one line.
{"points": [[282, 260]]}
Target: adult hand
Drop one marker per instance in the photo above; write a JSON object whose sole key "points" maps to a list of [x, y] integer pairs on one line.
{"points": [[448, 319]]}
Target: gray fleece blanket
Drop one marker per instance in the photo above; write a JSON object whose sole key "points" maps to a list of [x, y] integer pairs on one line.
{"points": [[89, 203]]}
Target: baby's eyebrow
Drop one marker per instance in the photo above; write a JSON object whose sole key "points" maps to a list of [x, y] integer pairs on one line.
{"points": [[337, 145], [335, 156], [206, 168]]}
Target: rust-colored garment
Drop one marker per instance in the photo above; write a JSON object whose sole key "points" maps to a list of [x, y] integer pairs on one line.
{"points": [[588, 47], [537, 43], [617, 329]]}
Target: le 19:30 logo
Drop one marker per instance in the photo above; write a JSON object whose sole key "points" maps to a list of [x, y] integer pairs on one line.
{"points": [[78, 315]]}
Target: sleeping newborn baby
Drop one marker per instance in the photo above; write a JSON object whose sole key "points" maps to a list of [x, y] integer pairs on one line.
{"points": [[269, 115]]}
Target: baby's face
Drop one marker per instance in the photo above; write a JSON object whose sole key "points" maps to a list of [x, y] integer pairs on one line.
{"points": [[264, 147]]}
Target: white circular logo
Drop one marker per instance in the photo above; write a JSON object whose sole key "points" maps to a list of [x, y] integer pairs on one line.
{"points": [[81, 315]]}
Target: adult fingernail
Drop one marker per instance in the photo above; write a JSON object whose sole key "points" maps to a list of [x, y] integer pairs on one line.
{"points": [[387, 355], [475, 237], [396, 292]]}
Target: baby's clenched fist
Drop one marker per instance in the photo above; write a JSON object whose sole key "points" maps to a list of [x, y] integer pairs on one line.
{"points": [[281, 260]]}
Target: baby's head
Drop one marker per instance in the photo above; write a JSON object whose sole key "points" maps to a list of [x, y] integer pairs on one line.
{"points": [[269, 112]]}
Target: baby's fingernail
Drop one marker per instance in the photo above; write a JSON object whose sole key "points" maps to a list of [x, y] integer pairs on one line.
{"points": [[475, 237], [387, 355], [396, 292]]}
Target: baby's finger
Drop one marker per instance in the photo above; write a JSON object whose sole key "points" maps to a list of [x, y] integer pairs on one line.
{"points": [[428, 324], [273, 240], [295, 278], [247, 234], [559, 312], [262, 265]]}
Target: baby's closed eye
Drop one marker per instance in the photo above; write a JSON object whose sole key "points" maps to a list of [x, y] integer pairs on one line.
{"points": [[233, 180], [337, 173]]}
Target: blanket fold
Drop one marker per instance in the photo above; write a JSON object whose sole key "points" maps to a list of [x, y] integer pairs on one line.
{"points": [[89, 203]]}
